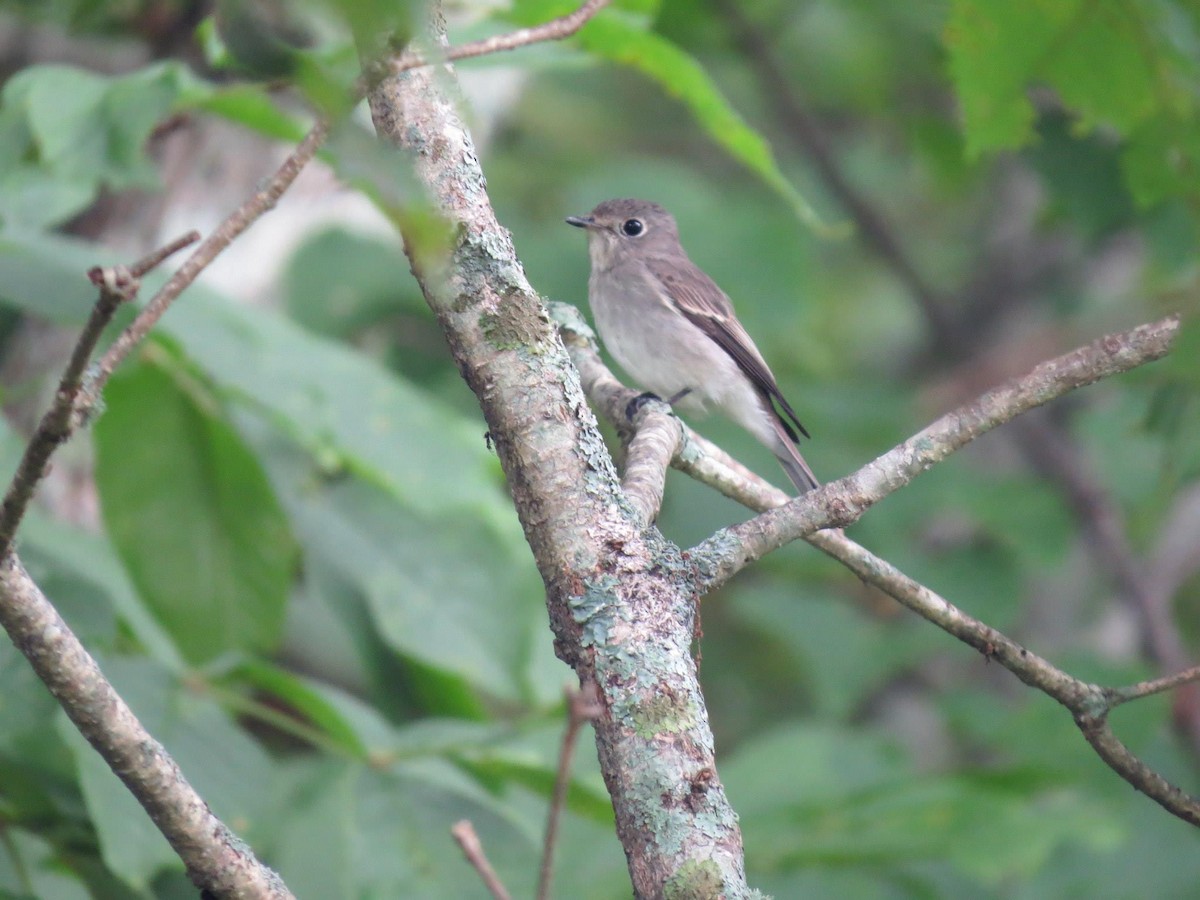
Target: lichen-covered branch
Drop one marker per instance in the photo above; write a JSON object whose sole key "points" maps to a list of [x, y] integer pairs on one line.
{"points": [[620, 597], [1088, 703]]}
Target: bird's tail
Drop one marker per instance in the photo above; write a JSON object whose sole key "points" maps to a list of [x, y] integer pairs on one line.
{"points": [[789, 457]]}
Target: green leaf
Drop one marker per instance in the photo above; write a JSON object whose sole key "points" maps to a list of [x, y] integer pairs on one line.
{"points": [[1083, 175], [250, 105], [623, 39], [343, 408], [357, 831], [322, 299], [73, 131], [1161, 159], [306, 698], [191, 512], [28, 863], [36, 199], [1110, 63], [47, 276], [477, 620], [392, 492], [417, 469], [850, 800]]}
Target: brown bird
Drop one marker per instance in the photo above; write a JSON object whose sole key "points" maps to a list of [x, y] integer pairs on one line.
{"points": [[675, 332]]}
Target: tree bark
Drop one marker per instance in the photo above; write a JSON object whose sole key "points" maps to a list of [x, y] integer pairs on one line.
{"points": [[619, 596]]}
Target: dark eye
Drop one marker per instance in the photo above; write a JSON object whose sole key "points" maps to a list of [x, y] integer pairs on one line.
{"points": [[633, 227]]}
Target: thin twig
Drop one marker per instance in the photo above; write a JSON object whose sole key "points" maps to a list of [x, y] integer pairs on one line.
{"points": [[117, 284], [156, 258], [1043, 443], [583, 705], [1088, 703], [464, 834], [1117, 696], [233, 225], [555, 29], [841, 502]]}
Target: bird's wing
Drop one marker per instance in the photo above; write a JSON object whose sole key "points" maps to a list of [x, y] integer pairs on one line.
{"points": [[705, 305]]}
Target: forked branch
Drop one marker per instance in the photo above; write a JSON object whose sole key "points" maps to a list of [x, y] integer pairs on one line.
{"points": [[1088, 703]]}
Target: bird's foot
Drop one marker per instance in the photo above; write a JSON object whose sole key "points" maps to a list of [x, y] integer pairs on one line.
{"points": [[634, 406]]}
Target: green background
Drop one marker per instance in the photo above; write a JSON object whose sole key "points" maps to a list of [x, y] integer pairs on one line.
{"points": [[305, 575]]}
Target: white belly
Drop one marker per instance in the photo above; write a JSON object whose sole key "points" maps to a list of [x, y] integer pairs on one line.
{"points": [[665, 354], [656, 346]]}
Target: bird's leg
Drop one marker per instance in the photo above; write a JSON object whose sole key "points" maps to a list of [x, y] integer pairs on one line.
{"points": [[634, 406]]}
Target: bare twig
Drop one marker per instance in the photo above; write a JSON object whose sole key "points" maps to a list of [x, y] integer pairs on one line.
{"points": [[233, 225], [156, 258], [1051, 451], [1088, 703], [117, 285], [843, 501], [1045, 444], [554, 30], [464, 834], [583, 705], [1117, 696]]}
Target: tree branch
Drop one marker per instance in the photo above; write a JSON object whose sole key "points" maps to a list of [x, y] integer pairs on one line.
{"points": [[620, 601], [233, 225], [554, 30], [1088, 703], [117, 285], [583, 705], [843, 501], [468, 841], [216, 860]]}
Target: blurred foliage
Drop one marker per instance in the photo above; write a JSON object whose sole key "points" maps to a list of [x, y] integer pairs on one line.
{"points": [[309, 582]]}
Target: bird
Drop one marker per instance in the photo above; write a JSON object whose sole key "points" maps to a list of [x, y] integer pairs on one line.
{"points": [[674, 331]]}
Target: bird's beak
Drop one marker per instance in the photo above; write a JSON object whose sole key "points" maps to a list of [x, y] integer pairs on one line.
{"points": [[581, 221]]}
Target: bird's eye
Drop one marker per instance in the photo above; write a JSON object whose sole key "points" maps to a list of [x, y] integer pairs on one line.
{"points": [[633, 227]]}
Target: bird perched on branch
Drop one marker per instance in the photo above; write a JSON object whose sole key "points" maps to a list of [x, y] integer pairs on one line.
{"points": [[675, 332]]}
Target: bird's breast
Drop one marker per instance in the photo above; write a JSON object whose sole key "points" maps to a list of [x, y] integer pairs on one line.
{"points": [[653, 342]]}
